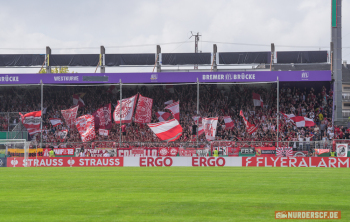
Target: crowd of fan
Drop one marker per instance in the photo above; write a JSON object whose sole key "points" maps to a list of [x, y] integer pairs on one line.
{"points": [[214, 101]]}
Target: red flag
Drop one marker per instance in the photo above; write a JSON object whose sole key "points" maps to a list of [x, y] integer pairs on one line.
{"points": [[128, 106], [31, 121], [70, 115], [200, 129], [144, 110], [55, 121], [174, 109], [77, 99], [86, 127], [168, 131], [162, 116], [302, 121], [251, 128], [257, 100], [228, 122], [103, 119], [209, 125]]}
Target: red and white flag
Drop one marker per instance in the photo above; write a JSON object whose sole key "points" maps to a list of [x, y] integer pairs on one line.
{"points": [[103, 132], [69, 116], [128, 106], [55, 121], [284, 151], [301, 121], [103, 119], [169, 130], [209, 125], [228, 122], [257, 100], [162, 116], [86, 127], [197, 119], [144, 110], [169, 102], [200, 129], [31, 121], [174, 109], [288, 116], [77, 99], [251, 128]]}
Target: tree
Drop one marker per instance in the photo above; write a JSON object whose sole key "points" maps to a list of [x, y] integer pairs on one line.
{"points": [[62, 69]]}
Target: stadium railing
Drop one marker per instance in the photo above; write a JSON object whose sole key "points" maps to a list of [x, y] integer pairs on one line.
{"points": [[300, 146]]}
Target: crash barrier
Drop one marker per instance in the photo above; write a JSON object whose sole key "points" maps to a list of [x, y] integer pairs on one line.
{"points": [[300, 146], [332, 162], [225, 149]]}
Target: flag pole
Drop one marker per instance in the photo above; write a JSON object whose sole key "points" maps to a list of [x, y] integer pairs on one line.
{"points": [[41, 123], [197, 110], [278, 107], [120, 116]]}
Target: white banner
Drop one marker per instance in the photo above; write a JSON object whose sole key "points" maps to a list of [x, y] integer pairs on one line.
{"points": [[183, 161], [342, 150]]}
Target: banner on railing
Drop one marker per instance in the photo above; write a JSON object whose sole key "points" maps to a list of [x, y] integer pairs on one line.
{"points": [[3, 162], [143, 151], [342, 150], [295, 162], [59, 151], [265, 151], [65, 162]]}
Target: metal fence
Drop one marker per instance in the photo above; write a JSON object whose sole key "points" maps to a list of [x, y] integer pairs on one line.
{"points": [[296, 145]]}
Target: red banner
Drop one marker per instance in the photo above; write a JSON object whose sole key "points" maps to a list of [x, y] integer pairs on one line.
{"points": [[168, 151], [59, 151], [65, 162], [187, 152], [265, 151], [147, 151], [295, 162], [103, 119], [233, 151]]}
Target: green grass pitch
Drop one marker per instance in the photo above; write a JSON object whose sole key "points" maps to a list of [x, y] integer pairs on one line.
{"points": [[169, 194]]}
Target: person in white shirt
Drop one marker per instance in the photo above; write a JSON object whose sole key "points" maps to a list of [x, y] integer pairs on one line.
{"points": [[106, 154], [307, 139], [301, 140]]}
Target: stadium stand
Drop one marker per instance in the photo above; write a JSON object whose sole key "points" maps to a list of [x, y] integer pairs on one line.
{"points": [[215, 100]]}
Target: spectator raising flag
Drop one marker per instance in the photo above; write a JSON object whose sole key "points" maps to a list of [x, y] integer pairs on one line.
{"points": [[251, 128]]}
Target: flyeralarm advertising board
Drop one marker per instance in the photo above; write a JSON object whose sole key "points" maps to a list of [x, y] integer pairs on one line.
{"points": [[295, 162]]}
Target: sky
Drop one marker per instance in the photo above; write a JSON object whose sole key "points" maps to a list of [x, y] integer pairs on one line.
{"points": [[134, 26]]}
